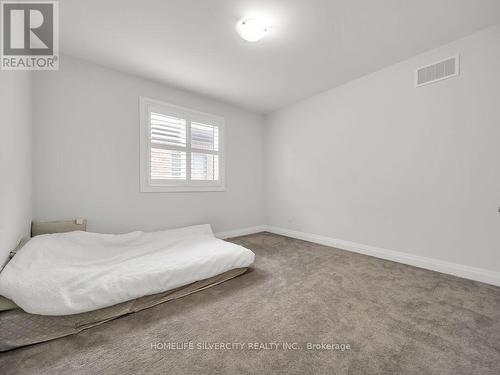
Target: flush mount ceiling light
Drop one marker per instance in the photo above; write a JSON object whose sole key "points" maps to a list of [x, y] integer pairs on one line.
{"points": [[252, 29]]}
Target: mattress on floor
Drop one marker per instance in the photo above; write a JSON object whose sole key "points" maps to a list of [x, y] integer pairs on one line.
{"points": [[72, 273], [19, 328]]}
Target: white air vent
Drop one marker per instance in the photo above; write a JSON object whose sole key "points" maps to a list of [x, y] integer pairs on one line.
{"points": [[438, 71]]}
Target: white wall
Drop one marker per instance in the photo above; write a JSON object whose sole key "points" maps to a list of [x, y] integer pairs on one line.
{"points": [[86, 155], [15, 160], [376, 161], [382, 163]]}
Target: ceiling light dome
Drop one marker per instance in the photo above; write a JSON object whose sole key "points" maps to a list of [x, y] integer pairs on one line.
{"points": [[252, 29]]}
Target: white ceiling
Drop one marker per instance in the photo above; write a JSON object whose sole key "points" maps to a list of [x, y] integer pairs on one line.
{"points": [[314, 44]]}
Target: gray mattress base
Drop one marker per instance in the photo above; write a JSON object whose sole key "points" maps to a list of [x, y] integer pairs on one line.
{"points": [[19, 328]]}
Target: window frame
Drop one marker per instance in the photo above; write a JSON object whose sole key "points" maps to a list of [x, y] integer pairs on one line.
{"points": [[146, 105]]}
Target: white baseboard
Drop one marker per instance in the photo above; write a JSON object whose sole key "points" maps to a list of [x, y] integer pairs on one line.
{"points": [[240, 232], [460, 270]]}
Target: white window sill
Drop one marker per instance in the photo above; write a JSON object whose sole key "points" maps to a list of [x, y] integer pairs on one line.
{"points": [[180, 189]]}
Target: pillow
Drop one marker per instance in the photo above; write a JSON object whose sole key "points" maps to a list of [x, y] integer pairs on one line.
{"points": [[40, 227], [37, 228]]}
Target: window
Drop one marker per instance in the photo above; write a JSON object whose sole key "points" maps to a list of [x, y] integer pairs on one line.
{"points": [[181, 149]]}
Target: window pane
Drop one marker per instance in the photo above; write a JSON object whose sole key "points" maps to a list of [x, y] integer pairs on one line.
{"points": [[205, 137], [168, 164], [204, 167], [168, 130]]}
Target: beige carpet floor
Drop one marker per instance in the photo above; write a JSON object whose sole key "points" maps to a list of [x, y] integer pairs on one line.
{"points": [[303, 309]]}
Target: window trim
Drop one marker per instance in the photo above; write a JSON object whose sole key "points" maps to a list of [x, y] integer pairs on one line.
{"points": [[188, 185]]}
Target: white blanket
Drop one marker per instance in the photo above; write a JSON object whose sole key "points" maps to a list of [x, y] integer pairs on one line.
{"points": [[69, 273]]}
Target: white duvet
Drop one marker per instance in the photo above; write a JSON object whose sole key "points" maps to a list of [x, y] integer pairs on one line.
{"points": [[69, 273]]}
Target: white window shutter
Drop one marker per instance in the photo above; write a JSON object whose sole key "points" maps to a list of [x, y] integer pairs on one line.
{"points": [[181, 149], [167, 130], [204, 137]]}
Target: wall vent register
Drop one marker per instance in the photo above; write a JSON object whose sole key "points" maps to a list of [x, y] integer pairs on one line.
{"points": [[439, 71]]}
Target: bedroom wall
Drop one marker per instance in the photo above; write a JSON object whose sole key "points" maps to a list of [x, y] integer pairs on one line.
{"points": [[381, 163], [15, 160], [86, 155]]}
